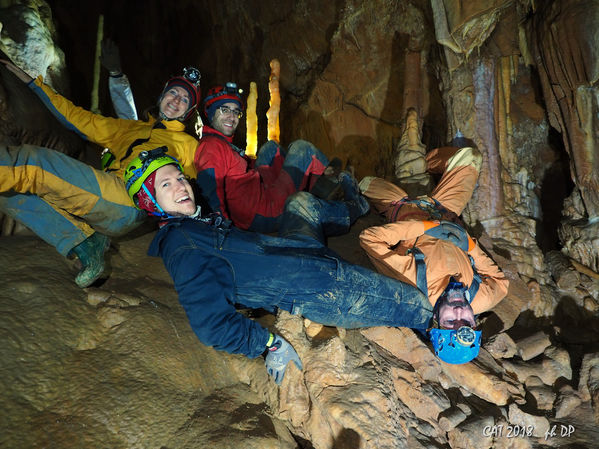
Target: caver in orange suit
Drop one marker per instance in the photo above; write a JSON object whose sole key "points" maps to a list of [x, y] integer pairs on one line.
{"points": [[387, 246]]}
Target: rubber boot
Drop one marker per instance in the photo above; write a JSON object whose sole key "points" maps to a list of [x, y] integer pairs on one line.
{"points": [[91, 255], [327, 185]]}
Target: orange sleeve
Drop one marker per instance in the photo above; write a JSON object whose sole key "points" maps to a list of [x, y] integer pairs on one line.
{"points": [[494, 285]]}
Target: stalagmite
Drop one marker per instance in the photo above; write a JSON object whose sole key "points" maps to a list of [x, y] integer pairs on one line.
{"points": [[94, 100], [275, 101], [251, 121]]}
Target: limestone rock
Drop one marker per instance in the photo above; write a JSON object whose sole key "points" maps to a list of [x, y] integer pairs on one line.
{"points": [[567, 401], [469, 434], [501, 346], [533, 345], [538, 424], [544, 397], [553, 365]]}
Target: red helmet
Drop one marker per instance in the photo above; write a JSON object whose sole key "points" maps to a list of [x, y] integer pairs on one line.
{"points": [[219, 95], [190, 81]]}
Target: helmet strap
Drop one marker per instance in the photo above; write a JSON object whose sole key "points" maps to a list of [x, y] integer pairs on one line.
{"points": [[162, 213]]}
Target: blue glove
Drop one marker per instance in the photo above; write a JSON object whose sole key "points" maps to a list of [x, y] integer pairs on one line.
{"points": [[280, 353]]}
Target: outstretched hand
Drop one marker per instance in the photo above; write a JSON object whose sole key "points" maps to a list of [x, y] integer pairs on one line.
{"points": [[16, 70], [110, 57], [280, 353]]}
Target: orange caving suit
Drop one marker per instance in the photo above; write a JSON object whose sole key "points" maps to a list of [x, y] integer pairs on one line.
{"points": [[387, 246]]}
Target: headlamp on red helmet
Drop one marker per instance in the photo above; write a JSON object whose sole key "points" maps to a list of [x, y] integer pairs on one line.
{"points": [[190, 81], [219, 95]]}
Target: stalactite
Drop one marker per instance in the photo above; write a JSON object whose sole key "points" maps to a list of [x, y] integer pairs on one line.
{"points": [[484, 97]]}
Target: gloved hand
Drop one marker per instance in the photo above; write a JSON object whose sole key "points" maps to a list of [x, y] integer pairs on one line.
{"points": [[110, 57], [280, 353]]}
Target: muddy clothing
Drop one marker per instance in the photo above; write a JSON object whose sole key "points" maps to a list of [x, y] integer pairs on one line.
{"points": [[215, 268], [389, 246], [252, 193]]}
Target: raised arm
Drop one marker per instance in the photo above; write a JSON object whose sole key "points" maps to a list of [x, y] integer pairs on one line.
{"points": [[118, 83]]}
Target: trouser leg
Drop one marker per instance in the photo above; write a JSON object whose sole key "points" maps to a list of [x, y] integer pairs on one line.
{"points": [[60, 230], [80, 194], [455, 187], [271, 154], [341, 294], [381, 193], [303, 160], [306, 215]]}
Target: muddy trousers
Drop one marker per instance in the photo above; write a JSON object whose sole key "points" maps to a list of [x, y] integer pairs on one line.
{"points": [[297, 168], [61, 199], [299, 161]]}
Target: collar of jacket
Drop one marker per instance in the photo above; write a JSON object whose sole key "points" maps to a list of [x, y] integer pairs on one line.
{"points": [[154, 249], [211, 131], [171, 125]]}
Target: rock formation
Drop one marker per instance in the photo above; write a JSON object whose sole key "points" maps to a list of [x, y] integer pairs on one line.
{"points": [[117, 365]]}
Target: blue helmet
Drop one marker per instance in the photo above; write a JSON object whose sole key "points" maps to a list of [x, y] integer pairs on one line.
{"points": [[456, 346], [451, 345]]}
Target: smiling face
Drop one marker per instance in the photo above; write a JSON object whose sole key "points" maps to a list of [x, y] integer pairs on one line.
{"points": [[173, 191], [175, 103], [455, 312], [226, 123]]}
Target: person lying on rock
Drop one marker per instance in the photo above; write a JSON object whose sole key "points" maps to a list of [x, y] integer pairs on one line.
{"points": [[216, 267], [425, 244], [252, 192], [73, 206]]}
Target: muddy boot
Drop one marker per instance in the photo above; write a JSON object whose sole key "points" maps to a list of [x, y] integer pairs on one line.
{"points": [[91, 255], [356, 202], [327, 185]]}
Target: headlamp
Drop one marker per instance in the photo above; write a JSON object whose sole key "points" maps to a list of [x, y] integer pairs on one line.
{"points": [[153, 154], [465, 336], [192, 75], [231, 88]]}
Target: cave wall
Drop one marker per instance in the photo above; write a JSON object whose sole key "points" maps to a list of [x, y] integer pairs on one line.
{"points": [[350, 71]]}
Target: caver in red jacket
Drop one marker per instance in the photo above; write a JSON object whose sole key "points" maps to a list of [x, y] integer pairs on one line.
{"points": [[253, 193]]}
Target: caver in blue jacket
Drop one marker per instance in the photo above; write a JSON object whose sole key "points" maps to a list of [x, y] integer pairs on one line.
{"points": [[214, 268]]}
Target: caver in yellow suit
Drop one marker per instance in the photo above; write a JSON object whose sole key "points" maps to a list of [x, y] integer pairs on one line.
{"points": [[413, 228], [65, 201]]}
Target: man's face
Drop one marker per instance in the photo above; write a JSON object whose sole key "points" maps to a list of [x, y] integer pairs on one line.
{"points": [[226, 122], [173, 191], [175, 102], [454, 311]]}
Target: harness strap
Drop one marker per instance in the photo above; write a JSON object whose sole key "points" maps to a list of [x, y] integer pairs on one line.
{"points": [[451, 230], [109, 158], [421, 281]]}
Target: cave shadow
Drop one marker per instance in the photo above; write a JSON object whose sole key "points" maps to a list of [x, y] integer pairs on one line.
{"points": [[578, 332], [556, 186], [571, 327], [347, 439]]}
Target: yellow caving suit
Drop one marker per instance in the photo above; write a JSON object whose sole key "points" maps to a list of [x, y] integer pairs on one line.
{"points": [[64, 200]]}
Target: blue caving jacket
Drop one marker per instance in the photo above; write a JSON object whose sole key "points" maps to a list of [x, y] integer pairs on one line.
{"points": [[216, 268], [211, 275]]}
